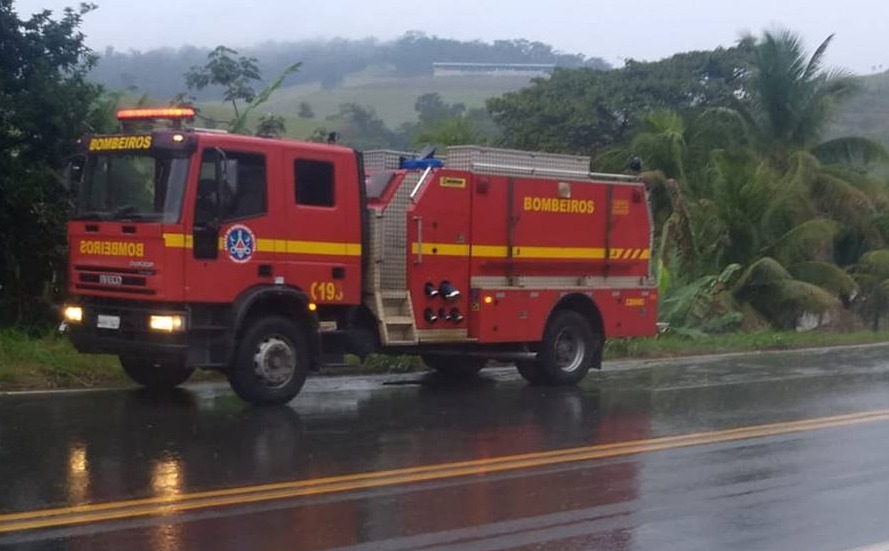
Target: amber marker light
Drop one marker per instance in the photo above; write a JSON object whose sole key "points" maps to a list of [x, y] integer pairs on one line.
{"points": [[156, 113]]}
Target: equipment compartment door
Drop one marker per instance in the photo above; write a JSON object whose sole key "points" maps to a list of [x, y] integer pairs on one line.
{"points": [[438, 260]]}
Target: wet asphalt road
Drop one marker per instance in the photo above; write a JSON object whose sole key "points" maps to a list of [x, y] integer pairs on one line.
{"points": [[825, 488]]}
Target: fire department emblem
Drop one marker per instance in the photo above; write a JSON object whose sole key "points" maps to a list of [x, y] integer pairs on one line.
{"points": [[240, 243]]}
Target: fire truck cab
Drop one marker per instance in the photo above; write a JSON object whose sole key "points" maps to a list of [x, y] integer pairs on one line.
{"points": [[256, 257]]}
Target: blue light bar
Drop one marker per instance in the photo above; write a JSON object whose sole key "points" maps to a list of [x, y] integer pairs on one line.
{"points": [[414, 164]]}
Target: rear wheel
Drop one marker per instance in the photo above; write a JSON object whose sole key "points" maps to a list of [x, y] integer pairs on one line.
{"points": [[531, 371], [155, 374], [457, 367], [271, 363], [570, 348]]}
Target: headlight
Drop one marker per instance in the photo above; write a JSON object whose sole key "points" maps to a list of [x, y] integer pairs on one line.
{"points": [[73, 314], [167, 324]]}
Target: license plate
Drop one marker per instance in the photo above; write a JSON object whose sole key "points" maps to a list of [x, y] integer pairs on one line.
{"points": [[108, 322]]}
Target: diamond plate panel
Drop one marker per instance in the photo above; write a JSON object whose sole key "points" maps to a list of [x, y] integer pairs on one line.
{"points": [[509, 162], [384, 159]]}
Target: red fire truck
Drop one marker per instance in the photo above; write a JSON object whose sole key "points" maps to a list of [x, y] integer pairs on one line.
{"points": [[258, 257]]}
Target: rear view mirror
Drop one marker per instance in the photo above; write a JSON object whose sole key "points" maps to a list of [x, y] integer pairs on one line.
{"points": [[72, 174]]}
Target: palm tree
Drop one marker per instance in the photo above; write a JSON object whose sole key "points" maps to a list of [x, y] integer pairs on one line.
{"points": [[758, 186], [791, 100]]}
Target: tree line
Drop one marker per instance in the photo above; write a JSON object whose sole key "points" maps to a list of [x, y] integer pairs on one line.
{"points": [[158, 72], [762, 219]]}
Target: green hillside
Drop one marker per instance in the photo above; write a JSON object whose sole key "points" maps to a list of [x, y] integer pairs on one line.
{"points": [[391, 97], [866, 114]]}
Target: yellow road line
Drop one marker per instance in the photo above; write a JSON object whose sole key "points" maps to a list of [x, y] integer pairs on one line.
{"points": [[166, 505]]}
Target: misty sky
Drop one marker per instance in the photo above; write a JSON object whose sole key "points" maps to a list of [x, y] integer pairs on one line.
{"points": [[646, 29]]}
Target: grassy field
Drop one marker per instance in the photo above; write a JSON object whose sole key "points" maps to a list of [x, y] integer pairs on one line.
{"points": [[392, 98], [51, 362]]}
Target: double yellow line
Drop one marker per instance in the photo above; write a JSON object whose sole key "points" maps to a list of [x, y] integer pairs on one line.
{"points": [[167, 505]]}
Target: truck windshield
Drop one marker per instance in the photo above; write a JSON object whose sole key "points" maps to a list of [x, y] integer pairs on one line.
{"points": [[132, 186]]}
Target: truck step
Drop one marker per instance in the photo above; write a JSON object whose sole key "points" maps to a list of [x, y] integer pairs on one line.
{"points": [[401, 343], [399, 320], [393, 295]]}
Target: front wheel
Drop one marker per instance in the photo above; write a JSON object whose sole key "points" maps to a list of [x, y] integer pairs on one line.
{"points": [[455, 367], [155, 374], [271, 363]]}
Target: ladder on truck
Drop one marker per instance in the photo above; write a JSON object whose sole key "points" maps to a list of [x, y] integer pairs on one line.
{"points": [[386, 290]]}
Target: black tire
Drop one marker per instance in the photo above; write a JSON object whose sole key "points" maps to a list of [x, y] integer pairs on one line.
{"points": [[531, 371], [271, 362], [155, 374], [570, 348], [455, 367]]}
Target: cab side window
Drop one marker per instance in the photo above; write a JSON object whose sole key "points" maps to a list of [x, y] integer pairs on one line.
{"points": [[242, 196], [314, 183]]}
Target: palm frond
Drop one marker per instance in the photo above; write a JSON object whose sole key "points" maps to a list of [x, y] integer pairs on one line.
{"points": [[783, 301], [239, 126], [810, 240], [851, 151], [875, 263], [765, 271], [814, 65], [825, 275]]}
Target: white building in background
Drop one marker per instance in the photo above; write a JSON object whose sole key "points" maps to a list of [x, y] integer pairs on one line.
{"points": [[450, 69]]}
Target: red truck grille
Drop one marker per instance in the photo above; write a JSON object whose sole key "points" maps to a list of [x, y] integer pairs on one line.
{"points": [[118, 280]]}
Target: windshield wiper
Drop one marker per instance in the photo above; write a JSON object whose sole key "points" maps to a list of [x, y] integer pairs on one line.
{"points": [[122, 211], [90, 216]]}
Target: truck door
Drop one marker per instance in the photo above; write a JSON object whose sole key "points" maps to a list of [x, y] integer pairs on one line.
{"points": [[323, 234], [234, 225]]}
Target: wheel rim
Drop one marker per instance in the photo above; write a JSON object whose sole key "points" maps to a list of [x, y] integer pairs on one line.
{"points": [[274, 361], [570, 350]]}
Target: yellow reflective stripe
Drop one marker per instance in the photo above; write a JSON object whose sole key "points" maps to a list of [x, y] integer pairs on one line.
{"points": [[490, 251], [321, 248], [559, 252], [280, 246], [526, 252], [441, 249], [177, 241]]}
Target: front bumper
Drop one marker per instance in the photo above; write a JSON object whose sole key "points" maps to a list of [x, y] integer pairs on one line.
{"points": [[133, 337]]}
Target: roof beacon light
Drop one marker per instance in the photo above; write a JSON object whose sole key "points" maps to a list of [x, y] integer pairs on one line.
{"points": [[155, 113]]}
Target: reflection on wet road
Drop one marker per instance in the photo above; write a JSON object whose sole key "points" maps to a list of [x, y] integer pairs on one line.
{"points": [[780, 451]]}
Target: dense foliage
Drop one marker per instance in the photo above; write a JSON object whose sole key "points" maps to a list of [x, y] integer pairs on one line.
{"points": [[46, 103], [585, 110]]}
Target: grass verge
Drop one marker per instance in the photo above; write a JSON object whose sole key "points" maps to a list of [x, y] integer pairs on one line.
{"points": [[50, 362], [667, 346]]}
